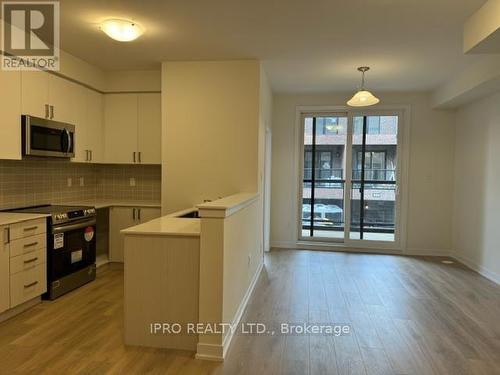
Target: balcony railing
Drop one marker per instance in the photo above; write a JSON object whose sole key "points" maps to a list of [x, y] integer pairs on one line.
{"points": [[382, 175], [330, 216]]}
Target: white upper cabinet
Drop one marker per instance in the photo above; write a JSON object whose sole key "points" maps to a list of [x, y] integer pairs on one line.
{"points": [[35, 94], [48, 96], [65, 98], [89, 126], [95, 128], [149, 128], [120, 128], [132, 124], [79, 119], [111, 128], [10, 112]]}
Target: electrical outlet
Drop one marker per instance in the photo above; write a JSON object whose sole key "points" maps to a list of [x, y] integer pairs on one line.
{"points": [[82, 182], [132, 181], [70, 182]]}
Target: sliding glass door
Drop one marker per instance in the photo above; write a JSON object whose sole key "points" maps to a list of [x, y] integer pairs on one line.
{"points": [[323, 182], [362, 204]]}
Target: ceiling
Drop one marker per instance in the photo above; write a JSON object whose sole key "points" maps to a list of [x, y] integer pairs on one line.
{"points": [[306, 45]]}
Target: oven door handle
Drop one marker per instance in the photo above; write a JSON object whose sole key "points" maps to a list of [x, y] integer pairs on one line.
{"points": [[68, 227]]}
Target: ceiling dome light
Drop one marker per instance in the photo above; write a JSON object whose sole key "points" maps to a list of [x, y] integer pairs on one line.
{"points": [[363, 98], [121, 30]]}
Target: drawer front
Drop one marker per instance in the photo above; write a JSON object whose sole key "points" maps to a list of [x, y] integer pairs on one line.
{"points": [[29, 284], [27, 261], [28, 228], [28, 245]]}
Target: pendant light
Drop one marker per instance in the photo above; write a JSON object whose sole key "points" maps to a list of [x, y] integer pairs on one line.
{"points": [[363, 98]]}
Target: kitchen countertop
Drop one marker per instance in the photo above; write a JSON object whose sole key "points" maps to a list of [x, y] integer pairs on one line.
{"points": [[167, 226], [103, 203], [13, 217]]}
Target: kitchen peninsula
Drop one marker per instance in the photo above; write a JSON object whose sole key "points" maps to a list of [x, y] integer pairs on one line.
{"points": [[182, 269]]}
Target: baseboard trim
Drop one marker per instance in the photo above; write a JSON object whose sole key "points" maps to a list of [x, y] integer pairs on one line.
{"points": [[320, 246], [19, 309], [283, 245], [483, 271], [210, 352], [215, 352], [241, 309], [428, 252]]}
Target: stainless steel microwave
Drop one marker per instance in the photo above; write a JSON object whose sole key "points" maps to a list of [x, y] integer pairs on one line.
{"points": [[43, 137]]}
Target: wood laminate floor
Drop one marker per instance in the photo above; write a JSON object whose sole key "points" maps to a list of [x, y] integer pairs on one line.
{"points": [[407, 316]]}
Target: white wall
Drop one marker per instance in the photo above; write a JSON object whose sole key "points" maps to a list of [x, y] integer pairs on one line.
{"points": [[211, 128], [430, 171], [476, 222], [133, 80]]}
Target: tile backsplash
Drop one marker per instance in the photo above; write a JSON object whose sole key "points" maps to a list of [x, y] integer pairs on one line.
{"points": [[40, 181]]}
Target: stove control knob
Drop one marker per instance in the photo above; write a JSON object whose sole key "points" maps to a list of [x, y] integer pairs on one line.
{"points": [[61, 216]]}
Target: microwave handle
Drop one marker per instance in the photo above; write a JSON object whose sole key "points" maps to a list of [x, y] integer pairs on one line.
{"points": [[70, 140]]}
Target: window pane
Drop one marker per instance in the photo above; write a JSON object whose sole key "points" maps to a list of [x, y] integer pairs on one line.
{"points": [[325, 214], [373, 125], [373, 217]]}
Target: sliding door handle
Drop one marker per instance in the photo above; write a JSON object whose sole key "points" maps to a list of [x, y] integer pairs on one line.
{"points": [[134, 157], [139, 156], [133, 214], [47, 111], [51, 112]]}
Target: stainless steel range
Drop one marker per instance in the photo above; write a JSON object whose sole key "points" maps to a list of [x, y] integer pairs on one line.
{"points": [[71, 246]]}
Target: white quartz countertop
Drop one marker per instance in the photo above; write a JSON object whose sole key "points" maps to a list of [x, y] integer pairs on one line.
{"points": [[166, 226], [7, 218], [103, 203], [226, 206]]}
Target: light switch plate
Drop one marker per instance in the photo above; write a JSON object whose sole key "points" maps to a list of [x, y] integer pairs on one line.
{"points": [[132, 181], [70, 182]]}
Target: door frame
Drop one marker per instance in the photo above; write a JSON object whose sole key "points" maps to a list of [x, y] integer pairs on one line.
{"points": [[399, 245]]}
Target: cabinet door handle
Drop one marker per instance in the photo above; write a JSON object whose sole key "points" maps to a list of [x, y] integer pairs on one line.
{"points": [[30, 260], [134, 156], [31, 244], [6, 236], [30, 228], [91, 155], [30, 285], [86, 155], [133, 214], [139, 153], [139, 214], [51, 112], [47, 113]]}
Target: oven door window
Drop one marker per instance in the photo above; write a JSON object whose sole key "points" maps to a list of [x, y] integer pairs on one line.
{"points": [[72, 251]]}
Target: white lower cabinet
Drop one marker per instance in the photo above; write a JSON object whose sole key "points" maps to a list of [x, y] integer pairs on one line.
{"points": [[4, 269], [122, 218], [23, 263], [28, 284]]}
